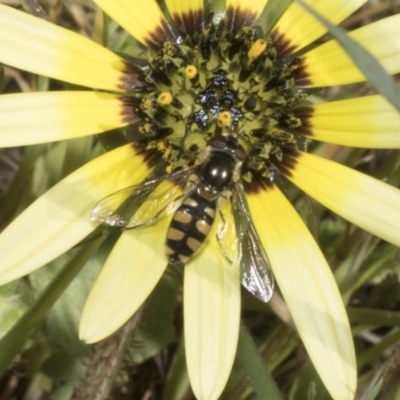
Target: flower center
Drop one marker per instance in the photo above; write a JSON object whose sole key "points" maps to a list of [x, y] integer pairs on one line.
{"points": [[214, 84]]}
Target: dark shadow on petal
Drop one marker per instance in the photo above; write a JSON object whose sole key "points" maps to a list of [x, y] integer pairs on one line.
{"points": [[150, 156], [258, 184], [283, 45], [238, 18], [189, 23], [130, 109], [305, 114], [163, 33], [286, 50], [133, 79], [288, 162], [301, 76]]}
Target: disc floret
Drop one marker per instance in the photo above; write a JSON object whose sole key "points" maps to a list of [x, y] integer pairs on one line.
{"points": [[216, 83]]}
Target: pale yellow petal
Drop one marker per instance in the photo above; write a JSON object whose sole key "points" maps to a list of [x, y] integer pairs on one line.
{"points": [[187, 15], [298, 28], [130, 273], [366, 202], [143, 19], [309, 289], [329, 64], [29, 118], [211, 314], [35, 45], [368, 121], [60, 218]]}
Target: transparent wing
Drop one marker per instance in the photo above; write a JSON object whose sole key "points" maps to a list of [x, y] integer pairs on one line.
{"points": [[143, 204], [227, 235], [256, 275]]}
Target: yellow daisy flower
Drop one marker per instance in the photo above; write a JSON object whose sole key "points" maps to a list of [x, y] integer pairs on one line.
{"points": [[209, 75]]}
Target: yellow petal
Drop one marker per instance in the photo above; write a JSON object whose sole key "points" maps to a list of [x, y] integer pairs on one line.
{"points": [[35, 45], [366, 202], [329, 64], [309, 289], [29, 118], [60, 218], [298, 28], [187, 15], [211, 314], [242, 13], [143, 19], [369, 122], [130, 273]]}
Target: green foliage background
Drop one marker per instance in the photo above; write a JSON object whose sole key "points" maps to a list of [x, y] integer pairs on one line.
{"points": [[44, 358]]}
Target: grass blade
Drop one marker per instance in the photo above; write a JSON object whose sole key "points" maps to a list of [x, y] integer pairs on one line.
{"points": [[255, 368], [381, 81]]}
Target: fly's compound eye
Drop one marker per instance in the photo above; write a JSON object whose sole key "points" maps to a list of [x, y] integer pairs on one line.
{"points": [[240, 153], [228, 145], [218, 143]]}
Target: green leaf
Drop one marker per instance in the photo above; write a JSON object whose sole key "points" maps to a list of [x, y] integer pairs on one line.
{"points": [[64, 392], [381, 81], [367, 316], [255, 368], [77, 154], [62, 365], [12, 306], [11, 201], [62, 320], [112, 139], [15, 338], [373, 267], [373, 393], [99, 33], [375, 352], [43, 83], [278, 345], [218, 7], [271, 14], [156, 328], [309, 385], [177, 385]]}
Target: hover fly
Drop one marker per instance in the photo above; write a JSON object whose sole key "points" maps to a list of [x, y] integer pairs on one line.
{"points": [[195, 195]]}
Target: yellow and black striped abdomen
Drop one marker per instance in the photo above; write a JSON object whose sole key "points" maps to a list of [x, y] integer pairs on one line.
{"points": [[189, 227]]}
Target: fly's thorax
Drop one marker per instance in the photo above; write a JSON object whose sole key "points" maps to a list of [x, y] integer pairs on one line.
{"points": [[216, 173]]}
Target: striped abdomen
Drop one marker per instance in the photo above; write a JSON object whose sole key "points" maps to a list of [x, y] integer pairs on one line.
{"points": [[189, 227]]}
